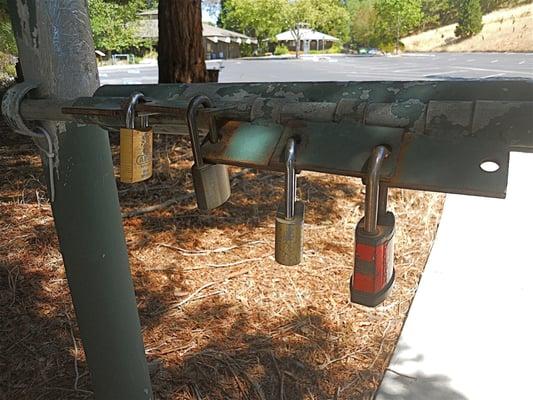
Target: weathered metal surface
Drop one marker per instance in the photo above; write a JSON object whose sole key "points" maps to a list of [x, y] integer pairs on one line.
{"points": [[501, 108], [338, 148], [452, 166], [418, 162], [245, 144], [426, 124], [56, 50], [423, 107]]}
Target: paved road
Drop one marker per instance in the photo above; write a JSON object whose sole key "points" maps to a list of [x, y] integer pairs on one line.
{"points": [[434, 66]]}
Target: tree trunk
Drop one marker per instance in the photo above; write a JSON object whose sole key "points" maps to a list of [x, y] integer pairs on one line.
{"points": [[181, 55]]}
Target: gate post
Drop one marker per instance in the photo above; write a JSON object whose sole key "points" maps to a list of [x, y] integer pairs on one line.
{"points": [[56, 51]]}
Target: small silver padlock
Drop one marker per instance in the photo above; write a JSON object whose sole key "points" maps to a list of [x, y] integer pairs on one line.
{"points": [[290, 215], [211, 181]]}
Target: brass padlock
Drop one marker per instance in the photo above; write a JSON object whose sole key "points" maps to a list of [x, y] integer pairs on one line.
{"points": [[135, 146], [290, 215], [211, 181]]}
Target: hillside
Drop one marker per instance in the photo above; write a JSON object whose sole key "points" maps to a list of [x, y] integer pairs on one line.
{"points": [[503, 30]]}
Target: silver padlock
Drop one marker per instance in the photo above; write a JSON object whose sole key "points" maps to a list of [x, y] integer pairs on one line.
{"points": [[211, 181], [290, 215]]}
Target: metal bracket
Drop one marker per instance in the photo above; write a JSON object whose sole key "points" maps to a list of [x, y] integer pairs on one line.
{"points": [[11, 111], [11, 107]]}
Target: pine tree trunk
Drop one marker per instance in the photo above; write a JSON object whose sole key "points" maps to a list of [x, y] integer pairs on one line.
{"points": [[181, 55]]}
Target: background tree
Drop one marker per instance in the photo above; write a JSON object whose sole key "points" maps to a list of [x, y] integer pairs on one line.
{"points": [[437, 13], [328, 16], [262, 19], [113, 23], [8, 46], [181, 55], [397, 18], [363, 20], [470, 18]]}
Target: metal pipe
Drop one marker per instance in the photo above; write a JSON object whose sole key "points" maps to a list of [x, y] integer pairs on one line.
{"points": [[290, 178], [379, 153], [56, 50]]}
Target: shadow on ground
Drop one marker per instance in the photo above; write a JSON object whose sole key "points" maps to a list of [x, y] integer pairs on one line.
{"points": [[238, 358], [418, 386]]}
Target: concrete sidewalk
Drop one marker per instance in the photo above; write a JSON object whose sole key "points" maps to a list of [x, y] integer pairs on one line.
{"points": [[469, 334]]}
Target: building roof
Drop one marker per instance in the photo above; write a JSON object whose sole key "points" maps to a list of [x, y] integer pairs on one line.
{"points": [[148, 29], [305, 34]]}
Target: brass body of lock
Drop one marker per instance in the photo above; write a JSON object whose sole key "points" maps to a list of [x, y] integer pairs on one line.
{"points": [[289, 235], [373, 274], [135, 146], [211, 181], [290, 215]]}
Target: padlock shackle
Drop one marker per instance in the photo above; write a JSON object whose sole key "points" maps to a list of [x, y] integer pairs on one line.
{"points": [[135, 98], [375, 162], [290, 178], [382, 201], [192, 109]]}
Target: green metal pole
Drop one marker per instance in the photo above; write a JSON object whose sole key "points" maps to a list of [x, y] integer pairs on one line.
{"points": [[56, 50]]}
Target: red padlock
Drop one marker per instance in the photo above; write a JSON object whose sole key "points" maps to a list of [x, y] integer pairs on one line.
{"points": [[373, 274]]}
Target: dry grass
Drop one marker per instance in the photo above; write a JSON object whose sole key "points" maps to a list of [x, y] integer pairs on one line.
{"points": [[221, 320], [503, 30]]}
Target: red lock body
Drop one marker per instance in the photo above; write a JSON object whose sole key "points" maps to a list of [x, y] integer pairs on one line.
{"points": [[373, 274]]}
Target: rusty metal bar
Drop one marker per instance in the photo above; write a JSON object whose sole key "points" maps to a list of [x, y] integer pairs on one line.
{"points": [[424, 123]]}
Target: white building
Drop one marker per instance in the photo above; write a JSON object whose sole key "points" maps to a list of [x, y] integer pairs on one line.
{"points": [[309, 39]]}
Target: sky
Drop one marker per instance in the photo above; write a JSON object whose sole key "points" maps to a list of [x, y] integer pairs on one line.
{"points": [[208, 17]]}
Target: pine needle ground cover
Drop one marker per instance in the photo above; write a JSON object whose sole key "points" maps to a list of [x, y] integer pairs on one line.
{"points": [[221, 320]]}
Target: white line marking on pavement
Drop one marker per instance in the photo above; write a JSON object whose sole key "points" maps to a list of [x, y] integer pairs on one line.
{"points": [[133, 71], [521, 62], [494, 61], [494, 70], [493, 76], [441, 73]]}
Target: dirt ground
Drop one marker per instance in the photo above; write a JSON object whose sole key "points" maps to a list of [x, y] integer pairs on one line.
{"points": [[221, 320], [503, 30]]}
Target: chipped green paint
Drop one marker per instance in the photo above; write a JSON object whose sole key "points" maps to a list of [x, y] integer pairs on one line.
{"points": [[447, 108], [337, 121]]}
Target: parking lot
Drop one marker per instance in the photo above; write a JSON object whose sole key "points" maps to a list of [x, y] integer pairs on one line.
{"points": [[434, 66]]}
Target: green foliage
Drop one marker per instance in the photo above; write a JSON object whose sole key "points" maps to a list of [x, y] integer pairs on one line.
{"points": [[335, 49], [114, 24], [328, 16], [397, 18], [7, 39], [470, 18], [264, 19], [363, 21], [374, 23], [8, 47], [281, 50], [437, 13]]}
